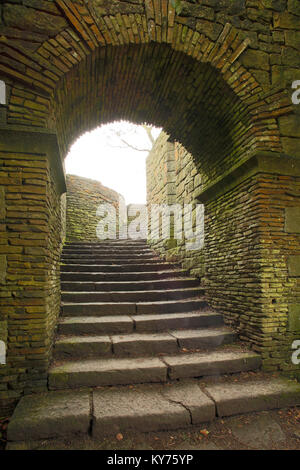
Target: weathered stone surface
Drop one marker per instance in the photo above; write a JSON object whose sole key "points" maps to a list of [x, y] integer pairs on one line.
{"points": [[83, 346], [294, 317], [3, 268], [84, 196], [131, 296], [28, 18], [236, 398], [2, 203], [215, 363], [95, 325], [54, 414], [94, 309], [194, 339], [171, 306], [294, 7], [290, 125], [107, 372], [260, 432], [256, 59], [294, 265], [104, 7], [173, 321], [292, 219], [144, 344], [141, 409], [189, 394]]}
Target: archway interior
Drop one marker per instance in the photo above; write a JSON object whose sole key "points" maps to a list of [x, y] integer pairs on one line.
{"points": [[153, 83]]}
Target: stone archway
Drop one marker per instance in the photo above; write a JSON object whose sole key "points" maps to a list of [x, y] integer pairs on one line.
{"points": [[216, 80]]}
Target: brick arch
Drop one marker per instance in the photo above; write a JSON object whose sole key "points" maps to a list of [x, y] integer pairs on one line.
{"points": [[87, 29], [193, 87]]}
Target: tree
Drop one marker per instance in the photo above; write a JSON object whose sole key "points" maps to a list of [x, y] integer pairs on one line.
{"points": [[126, 135]]}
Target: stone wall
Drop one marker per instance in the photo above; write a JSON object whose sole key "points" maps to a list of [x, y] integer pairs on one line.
{"points": [[250, 261], [172, 178], [30, 244], [252, 248], [83, 199]]}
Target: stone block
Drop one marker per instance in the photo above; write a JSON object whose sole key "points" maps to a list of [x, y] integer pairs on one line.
{"points": [[294, 317], [3, 268], [294, 265], [256, 59], [290, 125], [292, 220], [54, 414]]}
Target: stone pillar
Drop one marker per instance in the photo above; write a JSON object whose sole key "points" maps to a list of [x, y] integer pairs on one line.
{"points": [[31, 184], [252, 253]]}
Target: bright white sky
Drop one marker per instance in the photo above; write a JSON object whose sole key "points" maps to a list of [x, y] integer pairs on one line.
{"points": [[100, 155]]}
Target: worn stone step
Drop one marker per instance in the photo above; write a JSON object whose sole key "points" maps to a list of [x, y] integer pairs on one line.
{"points": [[49, 415], [135, 344], [232, 398], [95, 325], [122, 277], [140, 323], [131, 308], [108, 255], [129, 285], [168, 342], [155, 407], [109, 252], [168, 321], [108, 242], [172, 306], [110, 261], [95, 373], [122, 371], [139, 344], [82, 347], [94, 268], [203, 338], [148, 258], [151, 407], [132, 296], [109, 246], [217, 362]]}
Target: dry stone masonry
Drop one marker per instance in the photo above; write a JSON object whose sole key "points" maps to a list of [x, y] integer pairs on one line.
{"points": [[218, 78], [83, 199]]}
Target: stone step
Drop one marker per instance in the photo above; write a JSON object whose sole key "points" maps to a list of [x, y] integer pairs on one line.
{"points": [[128, 258], [122, 277], [168, 321], [132, 296], [95, 373], [94, 268], [109, 261], [140, 344], [109, 245], [95, 325], [129, 285], [155, 407], [215, 363], [123, 324], [131, 308], [111, 252], [139, 323], [125, 371]]}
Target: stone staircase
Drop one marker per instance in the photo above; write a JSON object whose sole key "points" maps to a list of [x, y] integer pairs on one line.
{"points": [[139, 348]]}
